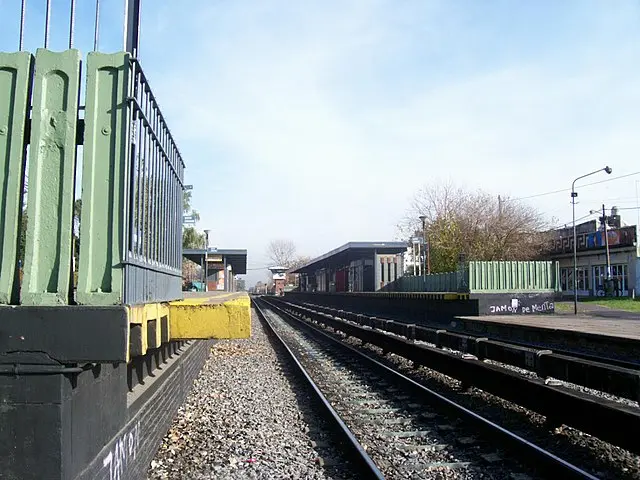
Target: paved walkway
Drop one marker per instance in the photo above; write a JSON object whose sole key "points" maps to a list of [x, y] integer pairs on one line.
{"points": [[591, 318]]}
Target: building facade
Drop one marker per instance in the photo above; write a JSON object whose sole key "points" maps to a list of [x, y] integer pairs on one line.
{"points": [[592, 258], [279, 275], [354, 267]]}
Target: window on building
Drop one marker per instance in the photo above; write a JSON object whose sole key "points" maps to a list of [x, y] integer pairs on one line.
{"points": [[566, 275], [619, 273], [382, 272], [583, 279]]}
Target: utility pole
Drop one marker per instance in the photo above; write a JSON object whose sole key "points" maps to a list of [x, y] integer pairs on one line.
{"points": [[606, 242], [206, 260]]}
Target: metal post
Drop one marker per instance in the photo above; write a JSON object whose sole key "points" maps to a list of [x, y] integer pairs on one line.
{"points": [[22, 16], [47, 23], [72, 22], [428, 255], [426, 246], [96, 27], [606, 242], [132, 27], [206, 260], [574, 194], [575, 254]]}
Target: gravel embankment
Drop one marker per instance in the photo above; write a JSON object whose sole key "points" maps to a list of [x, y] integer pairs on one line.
{"points": [[246, 417]]}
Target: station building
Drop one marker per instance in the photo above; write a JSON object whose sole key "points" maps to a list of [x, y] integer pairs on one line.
{"points": [[218, 267], [592, 257], [278, 274], [353, 267]]}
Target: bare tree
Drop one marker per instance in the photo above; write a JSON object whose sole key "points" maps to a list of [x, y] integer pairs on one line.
{"points": [[476, 223], [282, 252]]}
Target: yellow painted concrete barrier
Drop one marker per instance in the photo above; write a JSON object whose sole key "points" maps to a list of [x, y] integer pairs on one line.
{"points": [[216, 316]]}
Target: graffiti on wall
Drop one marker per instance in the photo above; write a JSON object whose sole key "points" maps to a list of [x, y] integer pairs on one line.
{"points": [[124, 451], [517, 307]]}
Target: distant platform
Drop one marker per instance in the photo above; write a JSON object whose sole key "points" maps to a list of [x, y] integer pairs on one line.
{"points": [[597, 325], [215, 297]]}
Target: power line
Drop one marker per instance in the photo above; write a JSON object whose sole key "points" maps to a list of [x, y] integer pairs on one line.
{"points": [[565, 190]]}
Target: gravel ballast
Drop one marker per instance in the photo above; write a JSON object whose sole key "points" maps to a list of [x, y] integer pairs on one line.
{"points": [[247, 417]]}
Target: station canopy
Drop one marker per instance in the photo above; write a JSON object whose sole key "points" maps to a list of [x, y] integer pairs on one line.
{"points": [[237, 258], [349, 252]]}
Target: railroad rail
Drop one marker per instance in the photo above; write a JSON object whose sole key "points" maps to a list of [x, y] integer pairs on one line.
{"points": [[383, 413], [588, 413], [420, 310], [608, 375]]}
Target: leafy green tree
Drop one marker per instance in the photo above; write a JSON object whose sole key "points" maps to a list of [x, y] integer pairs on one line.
{"points": [[476, 224], [191, 238]]}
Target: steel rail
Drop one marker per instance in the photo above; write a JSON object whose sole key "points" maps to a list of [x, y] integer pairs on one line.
{"points": [[529, 452], [367, 465], [539, 345]]}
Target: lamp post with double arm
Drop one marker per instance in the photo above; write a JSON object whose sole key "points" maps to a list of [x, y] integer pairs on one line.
{"points": [[574, 194]]}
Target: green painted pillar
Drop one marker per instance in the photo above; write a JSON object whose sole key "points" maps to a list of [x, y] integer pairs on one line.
{"points": [[100, 278], [16, 70], [52, 160]]}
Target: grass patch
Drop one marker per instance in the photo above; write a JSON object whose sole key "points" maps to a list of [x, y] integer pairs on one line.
{"points": [[626, 304], [563, 307]]}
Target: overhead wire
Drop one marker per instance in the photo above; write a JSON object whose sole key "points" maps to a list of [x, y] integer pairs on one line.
{"points": [[566, 190]]}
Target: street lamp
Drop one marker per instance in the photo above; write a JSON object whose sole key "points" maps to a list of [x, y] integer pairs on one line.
{"points": [[206, 260], [427, 267], [574, 194]]}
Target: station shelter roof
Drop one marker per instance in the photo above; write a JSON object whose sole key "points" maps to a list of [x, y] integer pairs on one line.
{"points": [[348, 252], [237, 258]]}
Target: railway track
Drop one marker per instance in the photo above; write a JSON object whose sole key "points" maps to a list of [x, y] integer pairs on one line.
{"points": [[574, 352], [398, 428]]}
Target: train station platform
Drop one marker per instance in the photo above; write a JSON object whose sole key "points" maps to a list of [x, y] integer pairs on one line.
{"points": [[582, 323]]}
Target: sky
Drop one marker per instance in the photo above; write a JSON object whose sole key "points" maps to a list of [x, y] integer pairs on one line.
{"points": [[317, 121]]}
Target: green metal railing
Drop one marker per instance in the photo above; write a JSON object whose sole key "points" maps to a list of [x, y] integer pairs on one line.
{"points": [[130, 228], [485, 277]]}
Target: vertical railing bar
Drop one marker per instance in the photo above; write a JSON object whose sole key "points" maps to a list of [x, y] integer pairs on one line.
{"points": [[173, 215], [148, 168], [145, 191], [22, 19], [139, 180], [47, 22], [159, 233], [159, 212], [72, 21], [166, 238], [151, 203], [179, 233], [162, 213], [96, 28], [156, 199]]}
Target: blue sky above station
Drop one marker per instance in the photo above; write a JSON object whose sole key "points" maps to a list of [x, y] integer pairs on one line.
{"points": [[316, 121]]}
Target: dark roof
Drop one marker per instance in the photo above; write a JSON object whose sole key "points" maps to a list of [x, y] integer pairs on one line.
{"points": [[235, 257], [351, 247]]}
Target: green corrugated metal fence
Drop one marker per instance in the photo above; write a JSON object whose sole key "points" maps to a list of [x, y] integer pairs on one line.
{"points": [[507, 276], [485, 277]]}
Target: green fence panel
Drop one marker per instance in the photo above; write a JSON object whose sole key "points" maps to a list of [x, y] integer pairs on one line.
{"points": [[16, 71], [52, 158], [513, 276], [100, 276]]}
